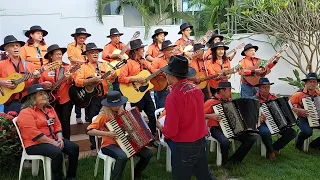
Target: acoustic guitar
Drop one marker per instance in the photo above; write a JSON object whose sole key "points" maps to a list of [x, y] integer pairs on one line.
{"points": [[82, 96], [53, 96], [135, 91], [19, 80]]}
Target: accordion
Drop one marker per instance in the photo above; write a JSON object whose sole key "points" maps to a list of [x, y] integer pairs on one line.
{"points": [[279, 114], [238, 116], [133, 132], [312, 105]]}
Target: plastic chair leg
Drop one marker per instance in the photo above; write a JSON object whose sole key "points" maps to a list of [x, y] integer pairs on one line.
{"points": [[219, 155], [107, 170], [168, 159], [212, 145], [35, 167], [233, 146], [96, 166], [64, 168], [21, 167], [47, 168], [159, 151], [263, 150], [132, 167]]}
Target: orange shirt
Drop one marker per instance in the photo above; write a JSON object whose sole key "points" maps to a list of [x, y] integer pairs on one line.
{"points": [[74, 52], [29, 53], [183, 43], [7, 68], [53, 76], [208, 109], [159, 62], [296, 98], [198, 65], [207, 54], [153, 50], [33, 124], [133, 68], [109, 48], [263, 100], [100, 124], [89, 70], [214, 68]]}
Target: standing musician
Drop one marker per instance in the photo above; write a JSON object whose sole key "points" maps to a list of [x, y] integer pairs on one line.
{"points": [[217, 64], [185, 31], [35, 48], [74, 52], [185, 124], [158, 63], [13, 64], [264, 95], [153, 50], [247, 140], [63, 106], [90, 74], [108, 55], [113, 106], [214, 39], [249, 51], [310, 90], [134, 66]]}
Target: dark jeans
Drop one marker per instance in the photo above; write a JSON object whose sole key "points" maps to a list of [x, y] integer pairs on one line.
{"points": [[77, 110], [306, 132], [115, 152], [14, 105], [247, 140], [115, 85], [64, 112], [146, 104], [206, 94], [160, 97], [53, 152], [286, 136], [190, 158], [247, 91]]}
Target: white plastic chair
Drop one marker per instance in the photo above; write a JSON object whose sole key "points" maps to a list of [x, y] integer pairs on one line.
{"points": [[108, 161], [307, 142]]}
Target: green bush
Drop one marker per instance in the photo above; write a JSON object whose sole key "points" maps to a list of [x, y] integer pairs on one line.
{"points": [[294, 82]]}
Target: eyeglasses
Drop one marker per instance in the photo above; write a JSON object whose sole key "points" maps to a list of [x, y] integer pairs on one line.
{"points": [[57, 54]]}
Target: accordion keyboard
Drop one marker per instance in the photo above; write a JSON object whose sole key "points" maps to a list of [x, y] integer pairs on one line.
{"points": [[224, 125], [310, 106], [271, 124]]}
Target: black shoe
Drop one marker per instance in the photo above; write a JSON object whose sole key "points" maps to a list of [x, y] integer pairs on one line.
{"points": [[298, 145]]}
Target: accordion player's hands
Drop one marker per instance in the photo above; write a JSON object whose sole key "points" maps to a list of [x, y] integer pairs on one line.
{"points": [[262, 118], [213, 116], [112, 135], [300, 112]]}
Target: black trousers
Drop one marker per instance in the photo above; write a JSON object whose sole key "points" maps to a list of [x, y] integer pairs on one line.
{"points": [[206, 94], [53, 152], [146, 104], [64, 112]]}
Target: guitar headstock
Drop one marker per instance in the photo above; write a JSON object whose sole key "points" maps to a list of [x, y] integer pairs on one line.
{"points": [[135, 35], [240, 46], [209, 33], [120, 64], [52, 66], [75, 68]]}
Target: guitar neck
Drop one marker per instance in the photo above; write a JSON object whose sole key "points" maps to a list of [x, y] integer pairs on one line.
{"points": [[209, 77], [124, 49], [26, 77], [230, 52], [153, 75], [57, 84]]}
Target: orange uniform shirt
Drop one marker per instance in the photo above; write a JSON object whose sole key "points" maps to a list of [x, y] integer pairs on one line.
{"points": [[183, 43], [207, 54], [159, 62], [29, 53], [133, 68], [263, 100], [153, 50], [296, 98], [198, 65], [74, 53], [214, 68], [7, 68], [208, 110], [100, 124], [109, 48], [89, 70], [33, 124]]}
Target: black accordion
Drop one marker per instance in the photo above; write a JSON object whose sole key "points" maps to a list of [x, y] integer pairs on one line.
{"points": [[238, 116], [312, 105], [279, 114]]}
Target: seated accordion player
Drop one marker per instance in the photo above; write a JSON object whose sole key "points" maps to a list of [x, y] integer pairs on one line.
{"points": [[133, 131], [238, 115], [279, 114], [312, 105]]}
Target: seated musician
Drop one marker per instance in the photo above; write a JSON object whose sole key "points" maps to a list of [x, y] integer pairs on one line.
{"points": [[160, 62], [249, 64], [14, 64], [41, 132], [113, 106], [264, 95], [185, 31], [154, 49], [89, 75], [247, 140], [217, 64], [310, 90], [63, 106]]}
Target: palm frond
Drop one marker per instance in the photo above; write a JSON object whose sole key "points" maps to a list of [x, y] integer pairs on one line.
{"points": [[100, 5]]}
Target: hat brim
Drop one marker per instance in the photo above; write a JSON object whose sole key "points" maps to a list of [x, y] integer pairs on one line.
{"points": [[115, 34], [164, 32], [123, 101], [212, 38], [84, 52], [44, 32], [215, 48], [142, 46], [191, 72], [3, 45], [63, 50], [304, 80], [264, 84], [190, 26], [173, 45], [26, 96], [243, 52], [87, 34]]}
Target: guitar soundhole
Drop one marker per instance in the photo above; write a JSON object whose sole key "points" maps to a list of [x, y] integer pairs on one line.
{"points": [[143, 88]]}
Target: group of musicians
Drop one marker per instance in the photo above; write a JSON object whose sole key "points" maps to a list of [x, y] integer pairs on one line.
{"points": [[45, 125]]}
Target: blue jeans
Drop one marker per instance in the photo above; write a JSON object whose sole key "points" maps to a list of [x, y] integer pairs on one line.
{"points": [[77, 110], [1, 108], [115, 152], [14, 105], [286, 136], [115, 85], [190, 158], [247, 91], [160, 98], [306, 132]]}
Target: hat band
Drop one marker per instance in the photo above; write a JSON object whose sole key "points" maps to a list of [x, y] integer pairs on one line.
{"points": [[115, 101]]}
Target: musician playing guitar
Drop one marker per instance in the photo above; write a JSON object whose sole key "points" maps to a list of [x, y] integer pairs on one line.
{"points": [[185, 31], [247, 140], [153, 50], [158, 63], [113, 106], [134, 66], [89, 75], [310, 90], [264, 95], [214, 39], [15, 64]]}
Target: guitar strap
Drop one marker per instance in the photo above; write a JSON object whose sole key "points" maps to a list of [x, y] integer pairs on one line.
{"points": [[39, 55], [60, 76], [24, 64], [98, 72]]}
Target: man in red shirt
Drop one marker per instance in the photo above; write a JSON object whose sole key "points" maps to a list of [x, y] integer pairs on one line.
{"points": [[185, 124]]}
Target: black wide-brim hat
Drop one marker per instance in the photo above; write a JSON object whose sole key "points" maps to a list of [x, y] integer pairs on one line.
{"points": [[136, 44], [224, 85], [10, 39], [248, 46], [167, 44], [91, 47], [34, 29], [219, 44], [52, 48], [264, 81], [179, 66], [184, 26], [158, 31], [114, 98], [33, 89], [198, 46], [81, 31], [214, 36], [311, 76], [114, 31]]}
